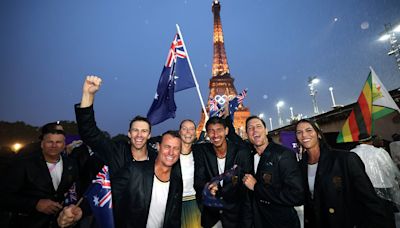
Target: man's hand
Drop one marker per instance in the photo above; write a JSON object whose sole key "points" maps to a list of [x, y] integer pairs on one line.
{"points": [[213, 187], [48, 206], [69, 215], [249, 181], [92, 84], [90, 87]]}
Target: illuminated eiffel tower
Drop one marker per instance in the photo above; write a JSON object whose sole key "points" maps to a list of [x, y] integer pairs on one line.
{"points": [[221, 82]]}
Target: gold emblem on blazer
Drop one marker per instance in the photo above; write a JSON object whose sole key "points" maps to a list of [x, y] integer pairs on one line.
{"points": [[267, 178], [337, 182], [234, 179]]}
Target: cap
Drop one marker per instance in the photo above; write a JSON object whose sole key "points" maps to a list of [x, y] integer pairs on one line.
{"points": [[364, 137], [52, 128]]}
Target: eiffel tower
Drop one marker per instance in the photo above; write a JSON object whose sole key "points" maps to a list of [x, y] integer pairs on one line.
{"points": [[221, 82]]}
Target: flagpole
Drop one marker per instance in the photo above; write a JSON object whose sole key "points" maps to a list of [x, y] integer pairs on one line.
{"points": [[194, 76]]}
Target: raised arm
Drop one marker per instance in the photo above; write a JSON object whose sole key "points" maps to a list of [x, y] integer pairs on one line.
{"points": [[90, 87]]}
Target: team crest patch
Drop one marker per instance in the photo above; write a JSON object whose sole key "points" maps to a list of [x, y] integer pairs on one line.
{"points": [[234, 180], [267, 177], [337, 182]]}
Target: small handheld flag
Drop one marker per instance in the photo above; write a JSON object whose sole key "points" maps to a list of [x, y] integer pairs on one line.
{"points": [[99, 197], [210, 200]]}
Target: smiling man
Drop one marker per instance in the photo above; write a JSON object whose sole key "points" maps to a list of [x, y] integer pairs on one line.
{"points": [[114, 154], [276, 183], [213, 159], [147, 194]]}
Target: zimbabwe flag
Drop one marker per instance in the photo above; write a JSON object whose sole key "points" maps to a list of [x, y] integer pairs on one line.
{"points": [[373, 103]]}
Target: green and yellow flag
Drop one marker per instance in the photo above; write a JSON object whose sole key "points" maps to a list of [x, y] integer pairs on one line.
{"points": [[373, 103]]}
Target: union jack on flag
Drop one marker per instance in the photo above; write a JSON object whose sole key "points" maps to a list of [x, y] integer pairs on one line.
{"points": [[100, 200], [71, 197], [175, 51], [241, 96]]}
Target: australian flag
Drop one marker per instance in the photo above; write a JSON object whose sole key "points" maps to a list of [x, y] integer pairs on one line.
{"points": [[175, 76], [71, 197], [99, 197]]}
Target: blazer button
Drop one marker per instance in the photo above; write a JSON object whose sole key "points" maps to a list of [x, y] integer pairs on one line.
{"points": [[331, 210], [221, 211], [221, 198]]}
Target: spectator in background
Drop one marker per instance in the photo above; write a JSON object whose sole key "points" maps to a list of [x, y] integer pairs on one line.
{"points": [[382, 172], [395, 149], [35, 186]]}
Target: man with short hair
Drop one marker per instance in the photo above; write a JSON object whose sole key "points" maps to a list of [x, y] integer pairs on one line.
{"points": [[146, 187], [36, 185], [114, 154], [276, 184], [146, 194], [382, 172], [213, 159]]}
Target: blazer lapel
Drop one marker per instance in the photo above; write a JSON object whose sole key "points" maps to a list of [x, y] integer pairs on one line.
{"points": [[212, 160], [174, 194], [230, 157], [67, 176], [148, 184], [45, 173]]}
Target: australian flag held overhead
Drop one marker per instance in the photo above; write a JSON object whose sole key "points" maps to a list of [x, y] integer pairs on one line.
{"points": [[175, 76], [99, 197]]}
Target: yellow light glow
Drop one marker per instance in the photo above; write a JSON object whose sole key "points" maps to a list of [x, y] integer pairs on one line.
{"points": [[16, 147]]}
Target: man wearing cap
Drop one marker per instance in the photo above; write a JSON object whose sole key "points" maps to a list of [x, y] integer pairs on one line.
{"points": [[382, 172], [36, 185]]}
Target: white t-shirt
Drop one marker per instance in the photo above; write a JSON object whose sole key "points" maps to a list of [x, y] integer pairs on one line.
{"points": [[311, 173], [55, 170], [159, 196], [221, 168], [187, 166], [256, 161]]}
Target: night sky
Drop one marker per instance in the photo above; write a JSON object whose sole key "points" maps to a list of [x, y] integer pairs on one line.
{"points": [[47, 48]]}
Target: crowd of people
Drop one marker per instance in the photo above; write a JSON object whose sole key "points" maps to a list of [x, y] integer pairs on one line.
{"points": [[177, 180]]}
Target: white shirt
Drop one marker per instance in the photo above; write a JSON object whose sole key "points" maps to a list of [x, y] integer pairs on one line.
{"points": [[256, 161], [55, 170], [159, 196], [311, 173], [221, 167], [187, 166]]}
